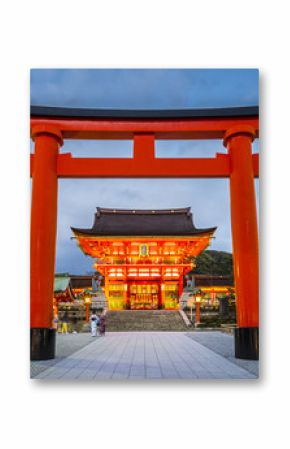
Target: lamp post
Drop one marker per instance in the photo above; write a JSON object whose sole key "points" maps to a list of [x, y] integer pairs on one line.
{"points": [[190, 303], [88, 303], [197, 309]]}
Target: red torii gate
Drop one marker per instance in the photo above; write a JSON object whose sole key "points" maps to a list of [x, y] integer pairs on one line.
{"points": [[238, 127]]}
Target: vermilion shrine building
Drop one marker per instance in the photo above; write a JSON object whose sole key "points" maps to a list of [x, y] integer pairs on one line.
{"points": [[143, 254], [236, 127]]}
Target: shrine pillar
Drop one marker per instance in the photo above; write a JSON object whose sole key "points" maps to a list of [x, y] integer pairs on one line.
{"points": [[238, 141], [126, 295], [162, 292], [180, 285], [107, 288], [43, 241]]}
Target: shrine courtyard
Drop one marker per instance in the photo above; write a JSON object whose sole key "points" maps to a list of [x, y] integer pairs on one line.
{"points": [[145, 355]]}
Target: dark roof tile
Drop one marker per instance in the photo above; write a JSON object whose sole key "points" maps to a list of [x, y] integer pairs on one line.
{"points": [[117, 222], [61, 112]]}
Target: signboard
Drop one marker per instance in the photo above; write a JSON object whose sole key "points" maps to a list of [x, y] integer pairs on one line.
{"points": [[143, 250]]}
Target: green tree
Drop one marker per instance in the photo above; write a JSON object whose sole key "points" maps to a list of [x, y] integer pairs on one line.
{"points": [[214, 263]]}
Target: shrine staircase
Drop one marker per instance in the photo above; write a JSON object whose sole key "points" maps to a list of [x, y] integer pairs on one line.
{"points": [[145, 320]]}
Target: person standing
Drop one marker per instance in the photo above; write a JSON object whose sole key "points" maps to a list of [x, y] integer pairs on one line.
{"points": [[64, 325], [94, 323], [75, 324], [102, 324]]}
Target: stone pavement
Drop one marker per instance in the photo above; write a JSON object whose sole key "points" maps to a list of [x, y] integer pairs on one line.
{"points": [[223, 344], [65, 345], [145, 355]]}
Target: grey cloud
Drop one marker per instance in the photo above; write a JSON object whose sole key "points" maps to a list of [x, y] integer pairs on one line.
{"points": [[123, 88]]}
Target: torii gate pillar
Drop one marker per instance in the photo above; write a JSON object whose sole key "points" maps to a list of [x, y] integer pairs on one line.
{"points": [[238, 141], [43, 241]]}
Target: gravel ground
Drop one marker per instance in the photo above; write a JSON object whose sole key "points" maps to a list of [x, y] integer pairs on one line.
{"points": [[223, 344], [65, 346]]}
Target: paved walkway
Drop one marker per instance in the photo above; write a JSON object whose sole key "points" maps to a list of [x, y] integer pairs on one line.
{"points": [[145, 355], [66, 345], [223, 344]]}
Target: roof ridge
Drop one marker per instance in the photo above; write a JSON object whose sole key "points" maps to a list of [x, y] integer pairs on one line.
{"points": [[103, 210]]}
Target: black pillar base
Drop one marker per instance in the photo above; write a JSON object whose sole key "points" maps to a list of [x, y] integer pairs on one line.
{"points": [[247, 343], [42, 343]]}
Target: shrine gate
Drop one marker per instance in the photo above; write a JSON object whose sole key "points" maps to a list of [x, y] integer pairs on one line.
{"points": [[238, 127]]}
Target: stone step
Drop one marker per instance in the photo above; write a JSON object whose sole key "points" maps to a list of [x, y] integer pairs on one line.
{"points": [[141, 320]]}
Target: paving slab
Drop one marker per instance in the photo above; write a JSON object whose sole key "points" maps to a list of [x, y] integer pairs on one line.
{"points": [[66, 344], [223, 344], [145, 355]]}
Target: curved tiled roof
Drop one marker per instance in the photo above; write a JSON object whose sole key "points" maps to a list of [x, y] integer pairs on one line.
{"points": [[123, 222]]}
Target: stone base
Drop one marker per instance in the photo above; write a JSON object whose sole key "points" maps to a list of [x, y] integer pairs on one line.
{"points": [[42, 343], [247, 343]]}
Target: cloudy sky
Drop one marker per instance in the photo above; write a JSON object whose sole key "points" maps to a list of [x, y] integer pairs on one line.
{"points": [[141, 89]]}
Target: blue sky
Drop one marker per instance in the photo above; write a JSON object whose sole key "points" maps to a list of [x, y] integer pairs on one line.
{"points": [[142, 89]]}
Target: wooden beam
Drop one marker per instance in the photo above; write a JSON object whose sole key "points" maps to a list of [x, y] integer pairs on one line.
{"points": [[140, 167], [117, 129]]}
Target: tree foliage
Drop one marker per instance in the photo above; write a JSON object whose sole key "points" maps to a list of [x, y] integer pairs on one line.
{"points": [[214, 263]]}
